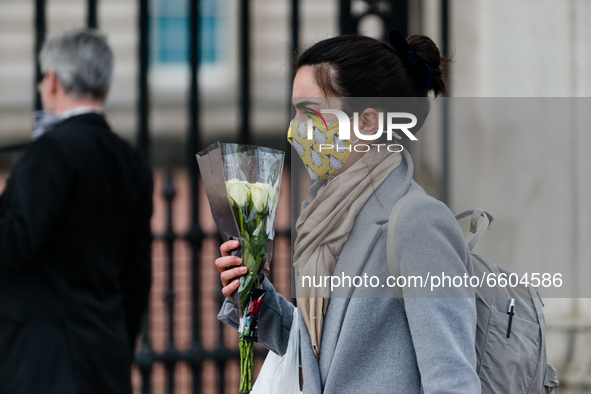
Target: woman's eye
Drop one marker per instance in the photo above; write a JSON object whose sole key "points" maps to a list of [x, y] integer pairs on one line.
{"points": [[301, 111]]}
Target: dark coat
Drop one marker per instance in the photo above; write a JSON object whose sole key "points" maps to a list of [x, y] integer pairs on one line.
{"points": [[75, 261]]}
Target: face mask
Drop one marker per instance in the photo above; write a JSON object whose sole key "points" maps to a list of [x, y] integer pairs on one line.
{"points": [[322, 163]]}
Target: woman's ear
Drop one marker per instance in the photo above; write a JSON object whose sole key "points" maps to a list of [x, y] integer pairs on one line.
{"points": [[369, 121]]}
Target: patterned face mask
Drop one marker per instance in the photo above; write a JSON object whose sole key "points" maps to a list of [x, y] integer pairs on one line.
{"points": [[325, 154]]}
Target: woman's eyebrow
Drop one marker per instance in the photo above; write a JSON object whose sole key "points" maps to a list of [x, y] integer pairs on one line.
{"points": [[304, 103]]}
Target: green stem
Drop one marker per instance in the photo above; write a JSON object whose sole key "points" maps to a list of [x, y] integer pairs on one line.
{"points": [[246, 365]]}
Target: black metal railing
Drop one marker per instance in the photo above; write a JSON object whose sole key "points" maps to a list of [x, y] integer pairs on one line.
{"points": [[143, 134], [392, 12], [13, 148]]}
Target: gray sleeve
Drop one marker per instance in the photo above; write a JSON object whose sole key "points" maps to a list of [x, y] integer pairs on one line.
{"points": [[442, 321], [275, 319]]}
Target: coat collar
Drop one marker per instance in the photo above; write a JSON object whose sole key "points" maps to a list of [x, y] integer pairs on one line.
{"points": [[47, 120]]}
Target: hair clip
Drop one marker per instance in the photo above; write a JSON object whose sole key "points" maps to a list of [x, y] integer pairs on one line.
{"points": [[422, 71]]}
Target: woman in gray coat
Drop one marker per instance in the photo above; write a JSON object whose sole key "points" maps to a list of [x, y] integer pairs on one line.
{"points": [[359, 340]]}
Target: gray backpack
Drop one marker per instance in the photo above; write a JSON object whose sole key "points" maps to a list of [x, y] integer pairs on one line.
{"points": [[510, 328]]}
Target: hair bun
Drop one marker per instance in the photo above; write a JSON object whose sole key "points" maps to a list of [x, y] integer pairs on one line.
{"points": [[429, 52]]}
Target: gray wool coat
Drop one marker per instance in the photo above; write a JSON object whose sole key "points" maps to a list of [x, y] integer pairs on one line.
{"points": [[370, 344]]}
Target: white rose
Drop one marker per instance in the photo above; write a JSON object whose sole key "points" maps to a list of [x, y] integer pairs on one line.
{"points": [[260, 193], [237, 191]]}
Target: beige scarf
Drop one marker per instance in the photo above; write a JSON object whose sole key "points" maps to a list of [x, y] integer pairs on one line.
{"points": [[323, 228]]}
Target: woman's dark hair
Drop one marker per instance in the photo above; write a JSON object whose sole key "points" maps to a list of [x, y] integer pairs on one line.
{"points": [[354, 66], [360, 66]]}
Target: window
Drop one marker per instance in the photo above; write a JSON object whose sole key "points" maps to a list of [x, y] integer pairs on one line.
{"points": [[170, 32]]}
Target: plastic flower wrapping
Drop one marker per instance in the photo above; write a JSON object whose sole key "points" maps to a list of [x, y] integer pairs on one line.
{"points": [[242, 184]]}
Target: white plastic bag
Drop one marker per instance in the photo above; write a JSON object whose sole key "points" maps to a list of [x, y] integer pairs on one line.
{"points": [[281, 375]]}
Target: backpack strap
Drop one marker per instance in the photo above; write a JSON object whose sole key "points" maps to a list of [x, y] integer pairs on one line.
{"points": [[392, 264], [478, 232]]}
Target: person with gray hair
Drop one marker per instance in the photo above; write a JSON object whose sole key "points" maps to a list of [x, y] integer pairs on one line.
{"points": [[82, 62], [75, 238], [77, 70]]}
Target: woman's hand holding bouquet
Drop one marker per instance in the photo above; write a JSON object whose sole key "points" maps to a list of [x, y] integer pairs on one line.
{"points": [[242, 184]]}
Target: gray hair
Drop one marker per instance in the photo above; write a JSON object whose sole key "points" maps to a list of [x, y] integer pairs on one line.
{"points": [[82, 62]]}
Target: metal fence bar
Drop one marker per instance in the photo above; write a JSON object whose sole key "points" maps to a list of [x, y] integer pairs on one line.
{"points": [[445, 27], [142, 138], [195, 235], [244, 33], [397, 17], [170, 355], [145, 357], [295, 37], [295, 51], [223, 353], [91, 14], [345, 22], [40, 28], [14, 148], [445, 146]]}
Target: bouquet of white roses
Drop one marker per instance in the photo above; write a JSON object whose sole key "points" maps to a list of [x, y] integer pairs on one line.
{"points": [[242, 184]]}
